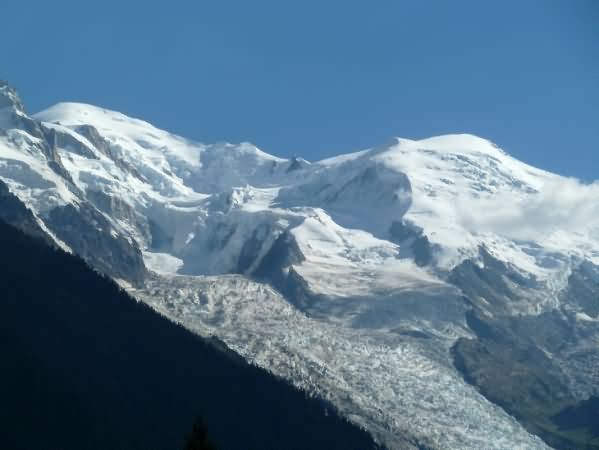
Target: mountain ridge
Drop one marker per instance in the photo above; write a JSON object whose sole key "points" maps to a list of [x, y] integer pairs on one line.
{"points": [[390, 246]]}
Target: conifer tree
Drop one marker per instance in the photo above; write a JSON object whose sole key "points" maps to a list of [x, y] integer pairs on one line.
{"points": [[198, 439]]}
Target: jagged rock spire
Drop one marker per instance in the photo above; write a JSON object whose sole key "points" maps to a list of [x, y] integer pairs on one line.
{"points": [[9, 97]]}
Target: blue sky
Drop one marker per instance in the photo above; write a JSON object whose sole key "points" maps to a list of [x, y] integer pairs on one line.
{"points": [[316, 78]]}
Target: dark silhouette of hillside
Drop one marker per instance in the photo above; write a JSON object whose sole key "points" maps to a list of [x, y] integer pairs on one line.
{"points": [[84, 366]]}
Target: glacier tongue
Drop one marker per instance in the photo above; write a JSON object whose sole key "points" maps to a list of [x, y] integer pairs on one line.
{"points": [[352, 277], [405, 392]]}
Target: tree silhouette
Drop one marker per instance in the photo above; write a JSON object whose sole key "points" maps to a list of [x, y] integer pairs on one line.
{"points": [[198, 439]]}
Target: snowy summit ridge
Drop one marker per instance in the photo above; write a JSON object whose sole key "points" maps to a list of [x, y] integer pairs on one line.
{"points": [[348, 276]]}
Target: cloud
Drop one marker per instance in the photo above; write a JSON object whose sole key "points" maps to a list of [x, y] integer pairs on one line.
{"points": [[564, 204]]}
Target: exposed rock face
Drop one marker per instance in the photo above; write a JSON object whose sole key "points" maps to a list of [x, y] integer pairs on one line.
{"points": [[510, 368], [276, 267], [282, 254], [102, 145], [120, 210], [491, 283], [537, 367], [91, 236], [9, 97], [58, 139], [15, 213], [81, 226], [516, 364], [412, 238], [296, 164], [251, 249], [160, 239], [583, 289]]}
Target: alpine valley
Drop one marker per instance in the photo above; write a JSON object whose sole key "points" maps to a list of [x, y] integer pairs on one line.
{"points": [[439, 293]]}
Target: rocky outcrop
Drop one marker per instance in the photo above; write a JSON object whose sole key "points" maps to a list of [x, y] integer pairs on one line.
{"points": [[535, 366], [582, 290], [15, 213], [492, 284], [512, 363], [276, 267], [92, 237], [92, 135], [9, 97], [412, 238]]}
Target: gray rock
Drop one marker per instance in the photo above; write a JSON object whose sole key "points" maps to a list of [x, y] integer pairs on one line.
{"points": [[91, 236], [15, 213]]}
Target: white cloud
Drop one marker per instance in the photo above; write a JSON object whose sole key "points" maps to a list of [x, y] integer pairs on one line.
{"points": [[564, 204]]}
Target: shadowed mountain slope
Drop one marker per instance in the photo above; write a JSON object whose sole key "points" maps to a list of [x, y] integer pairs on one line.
{"points": [[84, 366]]}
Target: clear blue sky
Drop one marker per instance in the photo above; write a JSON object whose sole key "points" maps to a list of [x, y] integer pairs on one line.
{"points": [[315, 78]]}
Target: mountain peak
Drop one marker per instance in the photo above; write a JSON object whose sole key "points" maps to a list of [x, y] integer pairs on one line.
{"points": [[461, 142], [446, 143], [9, 97]]}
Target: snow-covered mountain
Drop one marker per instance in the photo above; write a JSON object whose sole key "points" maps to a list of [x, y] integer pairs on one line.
{"points": [[354, 277]]}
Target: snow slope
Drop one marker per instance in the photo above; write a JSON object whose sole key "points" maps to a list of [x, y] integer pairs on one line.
{"points": [[440, 185]]}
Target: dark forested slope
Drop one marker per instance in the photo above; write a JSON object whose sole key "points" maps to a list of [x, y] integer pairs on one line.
{"points": [[84, 366]]}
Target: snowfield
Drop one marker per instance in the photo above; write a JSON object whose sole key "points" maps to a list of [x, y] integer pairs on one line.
{"points": [[336, 274]]}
